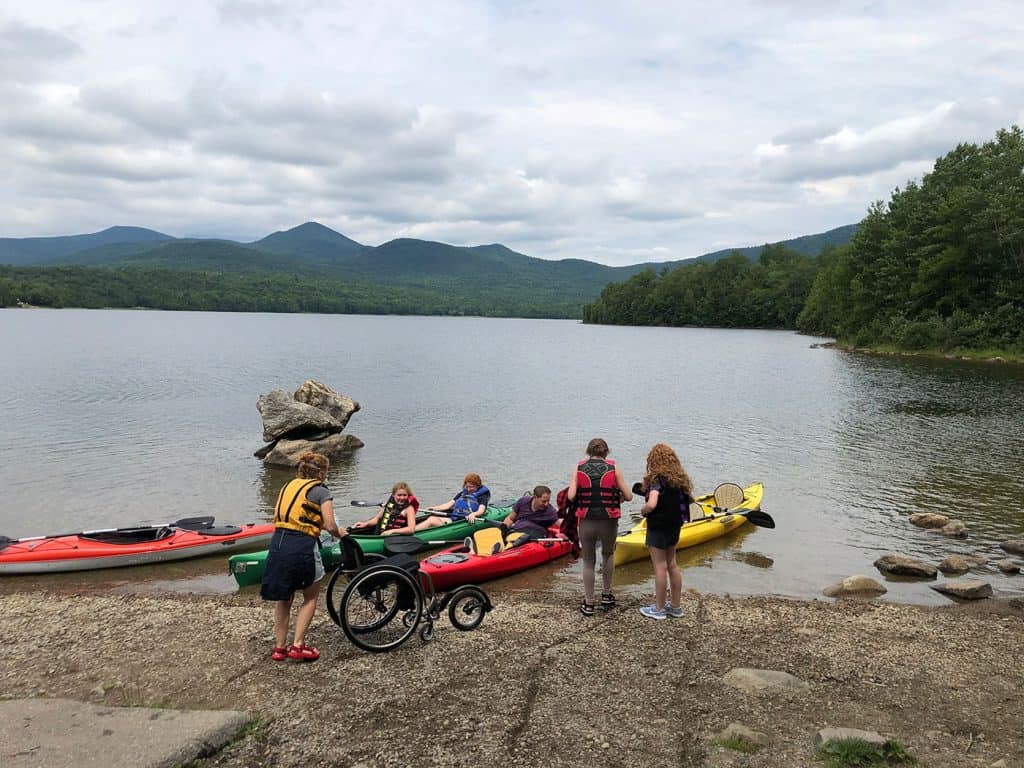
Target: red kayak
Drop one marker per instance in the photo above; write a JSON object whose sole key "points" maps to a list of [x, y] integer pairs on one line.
{"points": [[114, 547], [457, 565]]}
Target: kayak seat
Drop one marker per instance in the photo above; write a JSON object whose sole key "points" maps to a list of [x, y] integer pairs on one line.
{"points": [[697, 511], [486, 542], [728, 496], [219, 530], [516, 539]]}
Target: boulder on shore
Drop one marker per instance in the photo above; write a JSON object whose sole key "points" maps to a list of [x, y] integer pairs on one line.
{"points": [[928, 520], [336, 405], [855, 586], [284, 416], [826, 735], [1008, 566], [902, 565], [286, 452], [965, 590], [758, 680], [1014, 547]]}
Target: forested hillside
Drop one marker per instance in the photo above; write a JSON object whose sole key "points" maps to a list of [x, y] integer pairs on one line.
{"points": [[939, 267]]}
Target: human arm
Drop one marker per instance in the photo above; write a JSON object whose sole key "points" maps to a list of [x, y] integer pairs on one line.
{"points": [[330, 524], [409, 516], [371, 521], [442, 507], [651, 503], [620, 481], [571, 493], [483, 498]]}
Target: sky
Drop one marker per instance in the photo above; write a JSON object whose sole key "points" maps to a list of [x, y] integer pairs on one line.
{"points": [[614, 132]]}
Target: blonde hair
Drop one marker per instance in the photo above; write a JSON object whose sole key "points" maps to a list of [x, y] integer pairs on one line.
{"points": [[400, 484], [313, 465], [662, 462]]}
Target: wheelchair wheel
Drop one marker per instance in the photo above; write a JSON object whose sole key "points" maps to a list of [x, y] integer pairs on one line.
{"points": [[336, 588], [381, 608], [467, 608]]}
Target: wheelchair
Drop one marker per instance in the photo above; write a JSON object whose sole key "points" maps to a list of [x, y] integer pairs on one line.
{"points": [[380, 602]]}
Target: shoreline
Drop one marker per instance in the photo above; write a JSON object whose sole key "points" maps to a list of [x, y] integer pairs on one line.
{"points": [[538, 683]]}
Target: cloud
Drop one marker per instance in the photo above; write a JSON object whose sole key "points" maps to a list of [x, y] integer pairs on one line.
{"points": [[574, 130], [27, 51]]}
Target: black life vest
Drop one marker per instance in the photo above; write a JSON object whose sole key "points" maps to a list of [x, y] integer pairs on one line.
{"points": [[394, 516]]}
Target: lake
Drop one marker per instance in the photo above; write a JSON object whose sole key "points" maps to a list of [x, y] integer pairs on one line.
{"points": [[118, 417]]}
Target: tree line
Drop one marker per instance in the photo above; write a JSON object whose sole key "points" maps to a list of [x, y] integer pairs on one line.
{"points": [[939, 267], [174, 289]]}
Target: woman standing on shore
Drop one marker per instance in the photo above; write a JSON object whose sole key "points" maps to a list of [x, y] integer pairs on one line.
{"points": [[304, 508], [669, 492], [598, 488]]}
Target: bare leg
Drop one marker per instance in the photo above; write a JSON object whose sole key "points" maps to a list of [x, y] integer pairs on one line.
{"points": [[306, 612], [675, 579], [660, 576], [432, 522], [282, 612]]}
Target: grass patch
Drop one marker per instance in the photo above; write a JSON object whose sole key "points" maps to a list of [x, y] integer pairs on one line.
{"points": [[857, 753], [740, 745], [258, 729]]}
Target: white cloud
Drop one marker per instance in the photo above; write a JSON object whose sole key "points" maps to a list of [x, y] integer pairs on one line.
{"points": [[612, 131]]}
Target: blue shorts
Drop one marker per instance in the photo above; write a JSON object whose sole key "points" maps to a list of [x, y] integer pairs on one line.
{"points": [[293, 564]]}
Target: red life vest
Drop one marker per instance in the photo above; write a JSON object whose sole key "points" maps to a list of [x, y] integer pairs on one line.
{"points": [[597, 490]]}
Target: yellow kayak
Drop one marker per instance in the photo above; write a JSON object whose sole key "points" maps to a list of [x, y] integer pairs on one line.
{"points": [[630, 546]]}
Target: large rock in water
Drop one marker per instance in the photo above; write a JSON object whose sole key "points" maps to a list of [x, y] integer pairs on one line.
{"points": [[336, 405], [284, 416], [928, 520], [1014, 547], [286, 452], [965, 590], [901, 565]]}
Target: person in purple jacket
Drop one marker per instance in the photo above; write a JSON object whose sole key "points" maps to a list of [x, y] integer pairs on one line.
{"points": [[532, 514]]}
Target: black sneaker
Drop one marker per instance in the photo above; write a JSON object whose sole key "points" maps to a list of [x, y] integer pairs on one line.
{"points": [[587, 609]]}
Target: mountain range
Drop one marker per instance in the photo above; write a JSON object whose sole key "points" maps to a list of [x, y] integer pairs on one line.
{"points": [[314, 251]]}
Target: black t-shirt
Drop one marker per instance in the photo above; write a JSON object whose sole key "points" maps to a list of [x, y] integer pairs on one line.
{"points": [[672, 502]]}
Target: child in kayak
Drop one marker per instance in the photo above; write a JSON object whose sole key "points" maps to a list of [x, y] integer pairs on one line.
{"points": [[532, 514], [304, 508], [397, 515], [669, 492], [468, 504]]}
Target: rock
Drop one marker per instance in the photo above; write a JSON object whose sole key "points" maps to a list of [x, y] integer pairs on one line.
{"points": [[1015, 547], [955, 529], [1008, 566], [955, 564], [758, 680], [283, 415], [901, 565], [286, 453], [340, 407], [976, 559], [999, 764], [965, 590], [853, 586], [928, 520], [825, 735], [740, 732]]}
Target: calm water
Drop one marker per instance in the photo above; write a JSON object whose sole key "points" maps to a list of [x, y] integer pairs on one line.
{"points": [[115, 417]]}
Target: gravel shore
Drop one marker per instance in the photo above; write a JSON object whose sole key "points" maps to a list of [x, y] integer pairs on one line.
{"points": [[539, 684]]}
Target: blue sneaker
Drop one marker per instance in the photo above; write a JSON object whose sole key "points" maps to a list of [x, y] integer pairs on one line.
{"points": [[653, 612], [675, 613]]}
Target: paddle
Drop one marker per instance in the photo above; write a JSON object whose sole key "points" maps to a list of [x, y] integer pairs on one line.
{"points": [[757, 517], [188, 523]]}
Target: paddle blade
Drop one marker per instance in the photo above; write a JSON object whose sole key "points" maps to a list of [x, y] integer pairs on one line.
{"points": [[357, 503], [759, 518], [193, 523], [406, 545]]}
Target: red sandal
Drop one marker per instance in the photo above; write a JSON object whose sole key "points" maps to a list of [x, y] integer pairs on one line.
{"points": [[279, 654], [303, 653]]}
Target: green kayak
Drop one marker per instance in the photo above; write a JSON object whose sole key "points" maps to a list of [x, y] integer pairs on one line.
{"points": [[247, 568]]}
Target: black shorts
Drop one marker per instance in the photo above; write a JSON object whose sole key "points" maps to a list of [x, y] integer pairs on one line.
{"points": [[291, 565], [662, 538]]}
